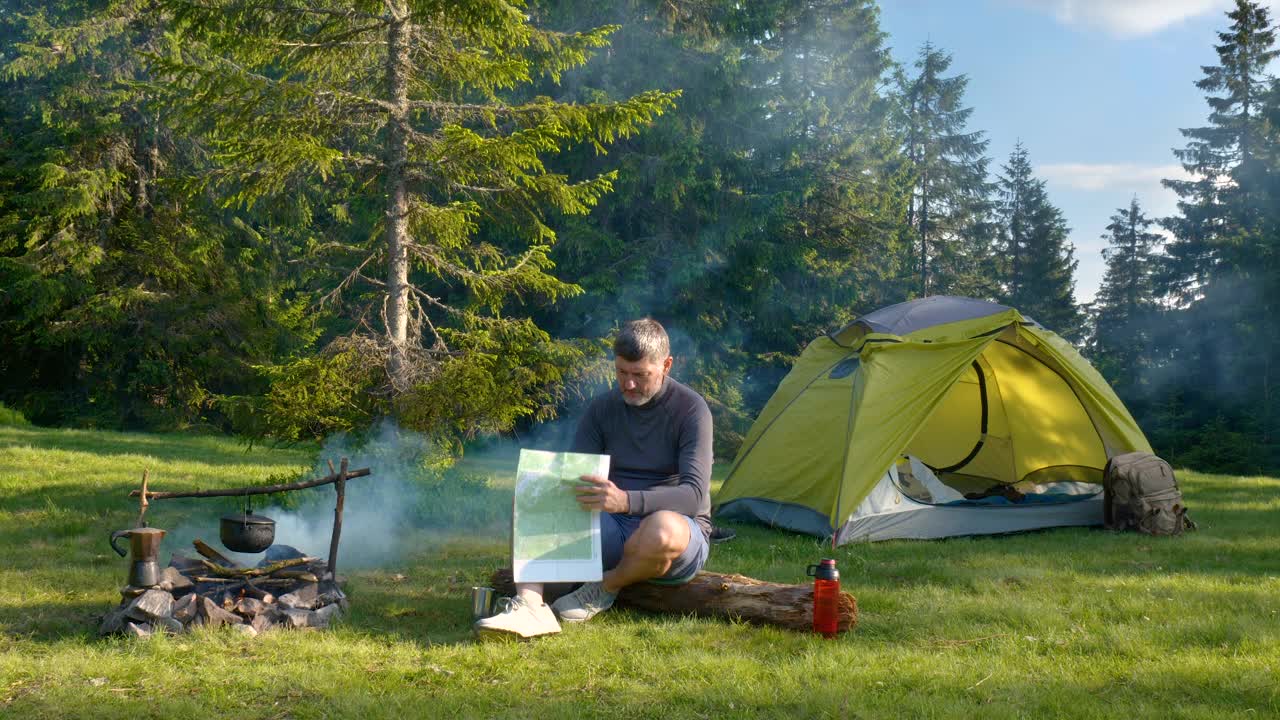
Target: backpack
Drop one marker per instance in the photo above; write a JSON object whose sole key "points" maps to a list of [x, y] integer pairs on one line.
{"points": [[1141, 493]]}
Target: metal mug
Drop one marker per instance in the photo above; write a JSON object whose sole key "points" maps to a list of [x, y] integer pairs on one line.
{"points": [[482, 602]]}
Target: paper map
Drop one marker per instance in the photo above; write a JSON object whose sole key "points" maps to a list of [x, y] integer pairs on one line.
{"points": [[552, 538]]}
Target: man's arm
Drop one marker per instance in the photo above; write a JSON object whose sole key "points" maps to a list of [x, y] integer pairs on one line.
{"points": [[586, 436], [691, 494]]}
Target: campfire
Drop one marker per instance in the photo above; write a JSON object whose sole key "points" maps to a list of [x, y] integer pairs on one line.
{"points": [[286, 589]]}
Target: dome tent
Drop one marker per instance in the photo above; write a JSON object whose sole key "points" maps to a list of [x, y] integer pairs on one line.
{"points": [[961, 391]]}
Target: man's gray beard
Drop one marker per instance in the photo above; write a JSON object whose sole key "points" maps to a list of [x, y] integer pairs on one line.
{"points": [[637, 403]]}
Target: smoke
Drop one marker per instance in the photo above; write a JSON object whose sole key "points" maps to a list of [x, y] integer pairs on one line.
{"points": [[410, 494], [378, 509]]}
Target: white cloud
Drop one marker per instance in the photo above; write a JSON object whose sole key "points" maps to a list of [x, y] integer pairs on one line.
{"points": [[1130, 17], [1108, 176]]}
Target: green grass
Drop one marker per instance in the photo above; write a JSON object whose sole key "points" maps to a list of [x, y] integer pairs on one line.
{"points": [[1062, 623]]}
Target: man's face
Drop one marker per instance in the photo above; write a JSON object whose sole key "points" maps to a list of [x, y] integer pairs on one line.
{"points": [[640, 380]]}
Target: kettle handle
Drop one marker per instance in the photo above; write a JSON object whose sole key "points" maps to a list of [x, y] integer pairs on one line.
{"points": [[115, 536]]}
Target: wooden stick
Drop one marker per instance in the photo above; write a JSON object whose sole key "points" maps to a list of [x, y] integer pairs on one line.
{"points": [[142, 507], [341, 487], [256, 490], [206, 550]]}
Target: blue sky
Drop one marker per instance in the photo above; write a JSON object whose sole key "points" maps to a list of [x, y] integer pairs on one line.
{"points": [[1095, 89]]}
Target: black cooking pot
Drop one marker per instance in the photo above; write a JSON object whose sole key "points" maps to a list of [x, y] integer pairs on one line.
{"points": [[247, 533]]}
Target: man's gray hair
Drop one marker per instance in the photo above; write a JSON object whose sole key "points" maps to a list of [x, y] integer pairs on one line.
{"points": [[643, 339]]}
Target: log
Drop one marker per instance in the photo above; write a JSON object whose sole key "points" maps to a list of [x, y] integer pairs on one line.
{"points": [[253, 591], [207, 550], [238, 572], [717, 595], [255, 490], [296, 575]]}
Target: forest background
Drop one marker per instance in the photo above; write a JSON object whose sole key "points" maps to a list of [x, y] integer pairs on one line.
{"points": [[289, 218]]}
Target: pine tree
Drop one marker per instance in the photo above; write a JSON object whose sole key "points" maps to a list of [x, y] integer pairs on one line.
{"points": [[949, 165], [1038, 264], [400, 114], [1125, 309]]}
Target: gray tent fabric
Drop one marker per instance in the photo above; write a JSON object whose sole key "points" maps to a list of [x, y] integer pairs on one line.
{"points": [[788, 516], [889, 514], [907, 317]]}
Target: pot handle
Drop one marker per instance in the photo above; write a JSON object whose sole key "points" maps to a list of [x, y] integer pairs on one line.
{"points": [[115, 536]]}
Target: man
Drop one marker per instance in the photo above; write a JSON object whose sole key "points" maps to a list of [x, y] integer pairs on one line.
{"points": [[655, 506]]}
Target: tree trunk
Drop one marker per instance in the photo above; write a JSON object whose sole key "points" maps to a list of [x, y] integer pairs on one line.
{"points": [[397, 148], [924, 235], [715, 595]]}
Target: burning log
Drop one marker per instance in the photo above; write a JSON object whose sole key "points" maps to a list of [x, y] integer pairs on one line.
{"points": [[716, 595]]}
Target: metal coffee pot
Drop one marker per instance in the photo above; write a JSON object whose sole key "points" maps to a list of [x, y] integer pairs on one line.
{"points": [[144, 548]]}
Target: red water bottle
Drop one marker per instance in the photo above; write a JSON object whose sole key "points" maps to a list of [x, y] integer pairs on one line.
{"points": [[826, 593]]}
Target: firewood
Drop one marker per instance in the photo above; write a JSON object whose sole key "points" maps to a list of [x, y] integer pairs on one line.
{"points": [[252, 590], [716, 595], [225, 571], [206, 550], [296, 575]]}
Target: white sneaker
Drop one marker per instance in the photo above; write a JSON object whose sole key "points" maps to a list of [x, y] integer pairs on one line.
{"points": [[518, 619], [584, 603]]}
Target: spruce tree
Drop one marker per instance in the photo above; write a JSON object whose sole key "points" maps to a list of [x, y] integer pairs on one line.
{"points": [[1225, 158], [123, 301], [764, 210], [400, 116], [1223, 269], [947, 204], [1125, 309], [1038, 264]]}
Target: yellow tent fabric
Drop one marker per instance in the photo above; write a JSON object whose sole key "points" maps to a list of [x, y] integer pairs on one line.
{"points": [[857, 400]]}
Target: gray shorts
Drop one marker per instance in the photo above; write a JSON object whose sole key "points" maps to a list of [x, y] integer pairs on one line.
{"points": [[615, 529]]}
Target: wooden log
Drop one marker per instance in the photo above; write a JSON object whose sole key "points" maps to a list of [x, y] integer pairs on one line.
{"points": [[716, 595], [296, 575], [253, 591], [255, 490], [237, 572], [207, 550]]}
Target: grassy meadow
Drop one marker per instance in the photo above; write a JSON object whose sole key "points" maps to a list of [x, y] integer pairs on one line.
{"points": [[1061, 623]]}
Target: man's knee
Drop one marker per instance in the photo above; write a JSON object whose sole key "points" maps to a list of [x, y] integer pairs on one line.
{"points": [[663, 533]]}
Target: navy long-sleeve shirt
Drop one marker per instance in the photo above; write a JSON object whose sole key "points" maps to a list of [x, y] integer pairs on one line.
{"points": [[660, 451]]}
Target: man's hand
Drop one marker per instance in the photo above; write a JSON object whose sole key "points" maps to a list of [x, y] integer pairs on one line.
{"points": [[599, 493]]}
